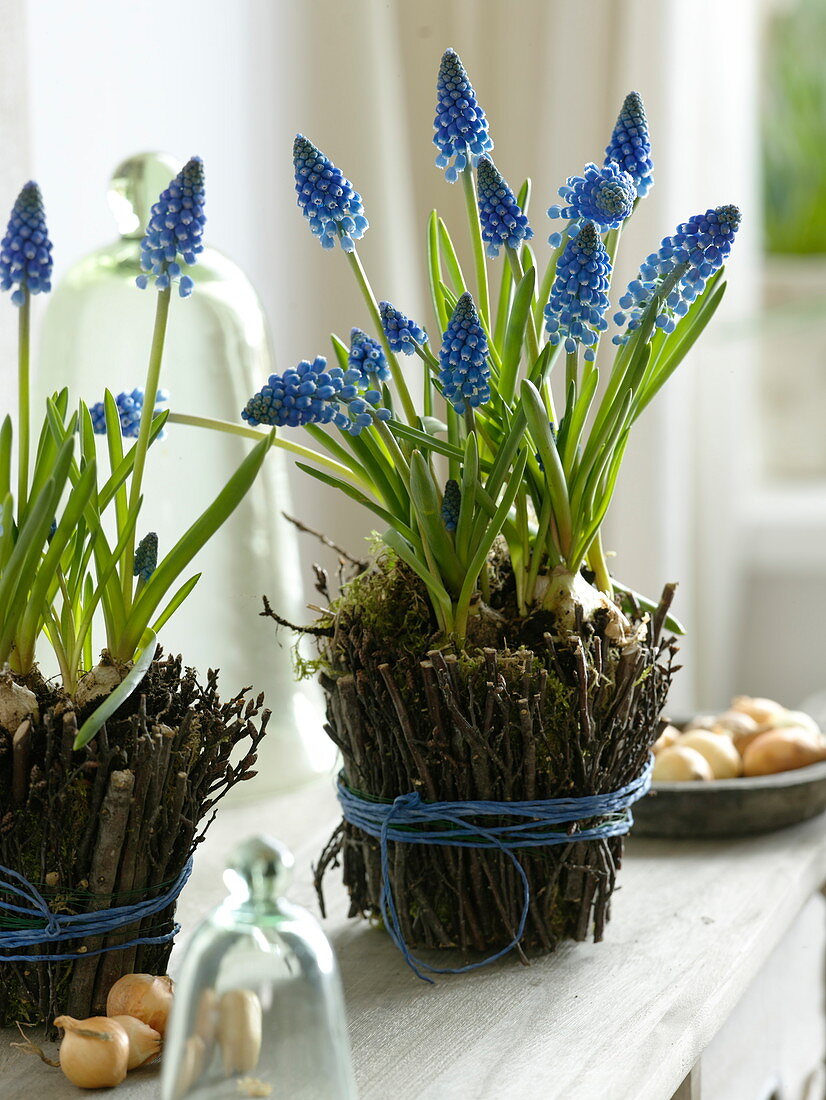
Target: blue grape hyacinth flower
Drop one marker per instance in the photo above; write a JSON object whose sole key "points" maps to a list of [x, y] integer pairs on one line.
{"points": [[630, 144], [500, 216], [451, 503], [367, 356], [130, 408], [704, 243], [173, 235], [313, 393], [327, 198], [604, 196], [146, 557], [401, 333], [461, 128], [463, 357], [26, 251], [576, 310]]}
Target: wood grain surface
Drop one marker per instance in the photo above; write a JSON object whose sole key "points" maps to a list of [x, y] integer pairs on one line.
{"points": [[623, 1020]]}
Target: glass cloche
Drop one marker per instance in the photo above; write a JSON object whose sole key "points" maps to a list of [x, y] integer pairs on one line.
{"points": [[258, 1007], [96, 334]]}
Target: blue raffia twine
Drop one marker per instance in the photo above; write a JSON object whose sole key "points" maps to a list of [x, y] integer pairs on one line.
{"points": [[61, 926], [406, 821]]}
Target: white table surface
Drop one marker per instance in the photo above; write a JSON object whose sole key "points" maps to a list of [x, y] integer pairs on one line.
{"points": [[622, 1020]]}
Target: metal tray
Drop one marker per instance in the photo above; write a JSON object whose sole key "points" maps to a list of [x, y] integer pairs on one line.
{"points": [[732, 807]]}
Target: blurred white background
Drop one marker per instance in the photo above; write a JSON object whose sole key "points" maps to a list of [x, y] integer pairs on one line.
{"points": [[718, 491]]}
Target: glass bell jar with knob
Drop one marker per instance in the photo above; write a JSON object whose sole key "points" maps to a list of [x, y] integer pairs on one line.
{"points": [[258, 1007], [96, 334]]}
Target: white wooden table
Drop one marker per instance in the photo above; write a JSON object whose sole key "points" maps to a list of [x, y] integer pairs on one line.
{"points": [[623, 1020]]}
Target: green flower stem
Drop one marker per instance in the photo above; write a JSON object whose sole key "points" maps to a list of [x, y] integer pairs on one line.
{"points": [[430, 363], [283, 444], [542, 544], [153, 376], [478, 246], [571, 378], [23, 405], [548, 278], [373, 308], [597, 562], [397, 459], [530, 327]]}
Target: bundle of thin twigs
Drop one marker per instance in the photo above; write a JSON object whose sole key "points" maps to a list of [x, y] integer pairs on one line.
{"points": [[553, 718], [115, 822]]}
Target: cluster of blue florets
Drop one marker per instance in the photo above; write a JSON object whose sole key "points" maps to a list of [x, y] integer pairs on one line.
{"points": [[175, 230], [313, 393], [146, 557], [461, 128], [451, 503], [130, 409], [401, 333], [463, 357], [703, 242], [26, 251], [500, 216], [367, 356], [579, 296], [630, 144], [602, 195], [326, 197]]}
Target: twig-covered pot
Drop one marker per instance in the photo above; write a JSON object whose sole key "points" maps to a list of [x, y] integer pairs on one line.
{"points": [[546, 719], [112, 824]]}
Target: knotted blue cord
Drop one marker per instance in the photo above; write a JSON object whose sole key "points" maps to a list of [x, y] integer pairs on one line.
{"points": [[405, 821], [60, 926]]}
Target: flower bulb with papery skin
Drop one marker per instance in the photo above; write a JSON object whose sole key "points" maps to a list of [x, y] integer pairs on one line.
{"points": [[144, 996], [144, 1041], [680, 764], [719, 751], [94, 1053]]}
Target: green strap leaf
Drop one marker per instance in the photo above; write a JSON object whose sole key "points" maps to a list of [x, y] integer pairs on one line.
{"points": [[175, 602], [125, 688], [434, 270], [427, 503], [515, 335], [537, 417], [355, 494]]}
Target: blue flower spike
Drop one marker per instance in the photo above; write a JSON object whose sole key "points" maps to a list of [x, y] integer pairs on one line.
{"points": [[461, 128], [327, 198], [401, 333], [313, 393], [367, 356], [604, 196], [451, 503], [500, 216], [26, 251], [173, 235], [704, 243], [576, 310], [463, 357], [630, 144], [146, 557], [130, 408]]}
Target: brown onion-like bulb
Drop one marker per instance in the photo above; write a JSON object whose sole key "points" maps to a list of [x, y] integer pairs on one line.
{"points": [[144, 996], [94, 1053], [144, 1041]]}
